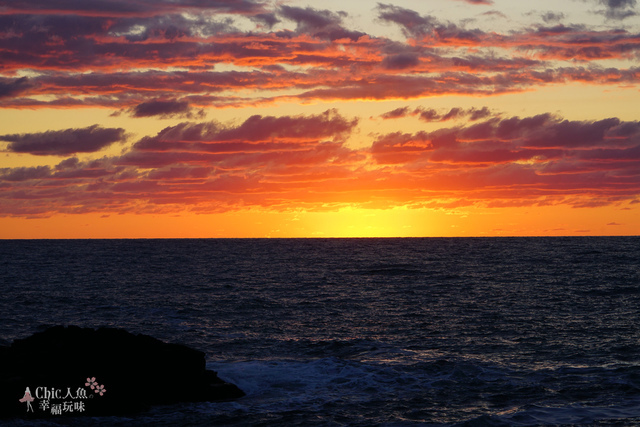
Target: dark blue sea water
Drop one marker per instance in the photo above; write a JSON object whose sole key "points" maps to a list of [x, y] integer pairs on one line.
{"points": [[477, 332]]}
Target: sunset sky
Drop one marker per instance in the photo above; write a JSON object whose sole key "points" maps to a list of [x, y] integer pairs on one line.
{"points": [[251, 118]]}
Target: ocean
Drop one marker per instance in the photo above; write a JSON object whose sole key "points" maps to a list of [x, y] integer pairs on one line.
{"points": [[358, 332]]}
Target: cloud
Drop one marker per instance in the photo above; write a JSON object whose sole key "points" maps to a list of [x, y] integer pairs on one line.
{"points": [[266, 19], [615, 9], [165, 109], [329, 124], [412, 23], [120, 90], [551, 16], [320, 23], [473, 114], [170, 28], [258, 140], [24, 173], [397, 113], [258, 129], [617, 4], [428, 28], [10, 88], [401, 61], [64, 142], [141, 56], [477, 114], [495, 14], [280, 162], [543, 154], [264, 161], [128, 8], [480, 2], [619, 9], [432, 115]]}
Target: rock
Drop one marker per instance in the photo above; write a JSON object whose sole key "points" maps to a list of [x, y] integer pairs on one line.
{"points": [[73, 371]]}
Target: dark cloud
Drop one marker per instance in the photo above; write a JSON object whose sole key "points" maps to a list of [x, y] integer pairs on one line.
{"points": [[70, 163], [167, 27], [550, 17], [256, 128], [165, 109], [10, 88], [396, 114], [267, 19], [454, 113], [54, 42], [432, 115], [482, 113], [482, 2], [24, 173], [411, 22], [567, 133], [310, 18], [319, 23], [619, 9], [495, 14], [414, 25], [64, 142], [129, 88], [428, 115], [72, 168], [564, 145], [401, 61], [616, 4], [132, 8]]}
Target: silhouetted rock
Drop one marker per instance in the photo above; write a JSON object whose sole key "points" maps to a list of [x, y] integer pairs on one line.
{"points": [[129, 373]]}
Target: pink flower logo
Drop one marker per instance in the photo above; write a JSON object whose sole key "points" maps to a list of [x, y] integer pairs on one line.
{"points": [[100, 389], [91, 382], [97, 388]]}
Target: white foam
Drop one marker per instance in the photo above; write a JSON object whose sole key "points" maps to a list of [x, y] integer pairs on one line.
{"points": [[289, 383]]}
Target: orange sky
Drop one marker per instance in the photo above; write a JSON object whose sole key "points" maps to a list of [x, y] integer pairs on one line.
{"points": [[249, 118]]}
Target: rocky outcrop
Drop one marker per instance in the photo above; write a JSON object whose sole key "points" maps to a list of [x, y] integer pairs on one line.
{"points": [[73, 371]]}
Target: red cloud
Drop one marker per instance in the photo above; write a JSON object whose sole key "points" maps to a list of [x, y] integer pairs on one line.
{"points": [[497, 140], [335, 62], [263, 142], [287, 161]]}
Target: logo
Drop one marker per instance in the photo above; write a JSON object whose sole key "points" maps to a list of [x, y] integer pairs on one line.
{"points": [[57, 401], [28, 399]]}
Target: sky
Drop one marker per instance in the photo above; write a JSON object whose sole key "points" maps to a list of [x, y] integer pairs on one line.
{"points": [[256, 118]]}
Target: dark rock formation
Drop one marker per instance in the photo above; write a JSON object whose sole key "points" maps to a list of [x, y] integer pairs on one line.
{"points": [[129, 373]]}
